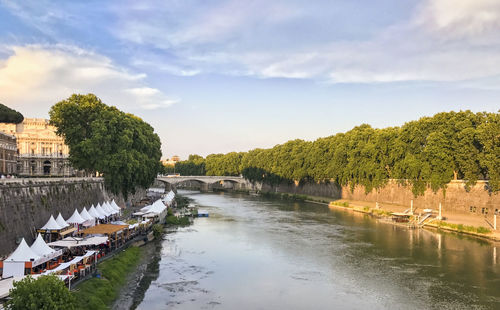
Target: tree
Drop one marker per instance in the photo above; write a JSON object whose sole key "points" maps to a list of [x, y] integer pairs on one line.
{"points": [[46, 292], [195, 165], [428, 152], [8, 115], [102, 138], [489, 136]]}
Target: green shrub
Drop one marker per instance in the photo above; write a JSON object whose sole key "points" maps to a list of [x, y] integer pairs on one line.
{"points": [[174, 220], [483, 230], [46, 292], [157, 230]]}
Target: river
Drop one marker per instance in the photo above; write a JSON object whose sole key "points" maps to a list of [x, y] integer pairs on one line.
{"points": [[256, 253]]}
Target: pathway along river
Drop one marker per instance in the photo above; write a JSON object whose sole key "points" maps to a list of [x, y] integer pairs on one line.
{"points": [[256, 253]]}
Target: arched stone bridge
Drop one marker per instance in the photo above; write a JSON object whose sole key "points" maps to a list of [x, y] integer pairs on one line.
{"points": [[201, 179], [205, 181]]}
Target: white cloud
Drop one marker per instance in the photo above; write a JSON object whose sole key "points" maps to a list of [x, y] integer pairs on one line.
{"points": [[184, 23], [158, 64], [442, 40], [34, 77], [459, 18]]}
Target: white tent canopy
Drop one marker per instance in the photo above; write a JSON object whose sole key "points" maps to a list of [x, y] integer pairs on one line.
{"points": [[75, 218], [169, 198], [51, 225], [85, 215], [101, 211], [114, 205], [107, 207], [40, 247], [43, 250], [157, 207], [146, 208], [93, 212], [60, 220], [89, 219], [14, 265], [23, 253]]}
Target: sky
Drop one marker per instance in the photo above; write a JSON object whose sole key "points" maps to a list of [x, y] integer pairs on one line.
{"points": [[215, 76]]}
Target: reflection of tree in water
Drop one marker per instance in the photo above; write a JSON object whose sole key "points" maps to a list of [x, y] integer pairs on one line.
{"points": [[150, 274]]}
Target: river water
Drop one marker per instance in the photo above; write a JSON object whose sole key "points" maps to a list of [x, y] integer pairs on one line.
{"points": [[256, 253]]}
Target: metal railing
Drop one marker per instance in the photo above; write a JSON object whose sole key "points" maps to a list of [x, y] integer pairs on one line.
{"points": [[44, 180]]}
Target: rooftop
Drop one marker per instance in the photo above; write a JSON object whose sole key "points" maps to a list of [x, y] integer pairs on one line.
{"points": [[106, 229]]}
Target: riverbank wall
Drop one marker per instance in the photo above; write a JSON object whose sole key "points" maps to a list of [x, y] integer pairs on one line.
{"points": [[27, 204], [476, 201]]}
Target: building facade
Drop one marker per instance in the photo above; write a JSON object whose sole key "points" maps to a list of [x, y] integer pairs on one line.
{"points": [[8, 154], [171, 161], [40, 152]]}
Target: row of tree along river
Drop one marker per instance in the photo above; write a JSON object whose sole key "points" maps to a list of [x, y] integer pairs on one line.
{"points": [[430, 151]]}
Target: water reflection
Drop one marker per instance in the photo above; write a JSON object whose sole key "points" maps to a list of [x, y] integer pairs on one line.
{"points": [[253, 253]]}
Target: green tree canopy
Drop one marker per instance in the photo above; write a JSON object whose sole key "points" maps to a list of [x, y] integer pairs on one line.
{"points": [[8, 115], [195, 165], [102, 138], [429, 152], [44, 293]]}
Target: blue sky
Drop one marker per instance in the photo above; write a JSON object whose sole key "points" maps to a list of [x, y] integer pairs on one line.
{"points": [[219, 76]]}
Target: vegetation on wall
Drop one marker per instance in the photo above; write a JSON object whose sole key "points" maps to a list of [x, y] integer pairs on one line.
{"points": [[430, 151], [8, 115], [102, 138]]}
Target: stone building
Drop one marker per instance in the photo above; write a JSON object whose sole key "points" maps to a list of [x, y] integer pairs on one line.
{"points": [[8, 154], [40, 152], [171, 161]]}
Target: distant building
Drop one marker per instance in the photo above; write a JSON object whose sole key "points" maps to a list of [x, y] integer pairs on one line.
{"points": [[8, 154], [40, 152], [171, 161]]}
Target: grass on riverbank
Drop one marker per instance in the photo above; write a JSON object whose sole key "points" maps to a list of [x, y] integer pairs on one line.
{"points": [[344, 204], [464, 228], [174, 220], [284, 196], [99, 293]]}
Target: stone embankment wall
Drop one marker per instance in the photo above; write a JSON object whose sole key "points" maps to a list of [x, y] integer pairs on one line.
{"points": [[26, 204], [457, 199], [331, 190], [477, 201]]}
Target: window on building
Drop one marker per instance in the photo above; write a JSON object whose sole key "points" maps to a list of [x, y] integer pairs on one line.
{"points": [[484, 211]]}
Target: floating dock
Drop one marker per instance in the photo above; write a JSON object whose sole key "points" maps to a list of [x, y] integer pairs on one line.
{"points": [[202, 213]]}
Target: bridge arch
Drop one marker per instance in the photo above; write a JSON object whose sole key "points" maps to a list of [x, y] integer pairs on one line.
{"points": [[204, 181]]}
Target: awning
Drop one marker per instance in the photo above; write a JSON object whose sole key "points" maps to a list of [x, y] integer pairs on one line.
{"points": [[71, 242], [394, 213], [74, 261], [107, 229], [67, 231]]}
